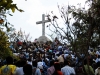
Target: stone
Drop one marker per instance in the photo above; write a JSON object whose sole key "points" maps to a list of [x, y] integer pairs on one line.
{"points": [[43, 39]]}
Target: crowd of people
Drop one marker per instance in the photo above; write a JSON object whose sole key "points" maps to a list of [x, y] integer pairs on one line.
{"points": [[50, 59]]}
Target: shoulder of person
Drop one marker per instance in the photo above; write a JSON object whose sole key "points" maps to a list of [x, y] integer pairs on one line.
{"points": [[12, 66]]}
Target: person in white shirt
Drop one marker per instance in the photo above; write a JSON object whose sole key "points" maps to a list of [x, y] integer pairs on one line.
{"points": [[97, 59], [60, 47], [19, 71], [73, 56], [40, 64], [29, 61], [65, 56], [67, 70], [97, 52]]}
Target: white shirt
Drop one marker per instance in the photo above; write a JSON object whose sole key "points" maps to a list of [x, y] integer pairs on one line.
{"points": [[97, 60], [29, 62], [97, 71], [40, 65], [59, 47], [73, 56], [97, 52], [65, 55], [65, 51], [67, 70], [19, 71], [56, 53], [89, 51]]}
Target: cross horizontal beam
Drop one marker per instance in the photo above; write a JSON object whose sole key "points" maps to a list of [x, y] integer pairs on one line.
{"points": [[40, 22]]}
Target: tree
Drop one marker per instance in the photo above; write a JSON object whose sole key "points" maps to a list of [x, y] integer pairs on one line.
{"points": [[87, 22], [66, 32], [4, 45], [82, 26], [22, 36], [5, 7]]}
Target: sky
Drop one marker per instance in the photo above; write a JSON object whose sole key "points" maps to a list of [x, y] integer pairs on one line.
{"points": [[33, 10]]}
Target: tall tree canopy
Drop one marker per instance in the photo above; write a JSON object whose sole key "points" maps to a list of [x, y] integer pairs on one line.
{"points": [[5, 7], [82, 26]]}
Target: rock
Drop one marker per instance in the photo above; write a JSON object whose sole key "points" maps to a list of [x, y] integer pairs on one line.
{"points": [[43, 39]]}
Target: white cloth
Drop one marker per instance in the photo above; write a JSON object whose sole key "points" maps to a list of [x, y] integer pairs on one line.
{"points": [[67, 70], [73, 56], [89, 51], [57, 53], [97, 52], [65, 55], [97, 60], [19, 71], [40, 65], [59, 47], [29, 62], [65, 51], [97, 71]]}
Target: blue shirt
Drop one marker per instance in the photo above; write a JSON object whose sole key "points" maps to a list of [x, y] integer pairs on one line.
{"points": [[37, 72]]}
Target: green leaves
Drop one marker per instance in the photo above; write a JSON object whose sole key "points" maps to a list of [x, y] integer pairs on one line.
{"points": [[8, 4], [5, 7], [13, 9], [20, 10], [14, 6]]}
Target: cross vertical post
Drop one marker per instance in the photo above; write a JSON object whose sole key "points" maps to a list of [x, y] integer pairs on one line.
{"points": [[43, 24]]}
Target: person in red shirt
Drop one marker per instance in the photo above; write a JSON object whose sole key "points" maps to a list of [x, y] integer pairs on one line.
{"points": [[57, 69]]}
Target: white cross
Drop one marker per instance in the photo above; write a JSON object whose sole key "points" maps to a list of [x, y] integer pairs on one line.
{"points": [[43, 24]]}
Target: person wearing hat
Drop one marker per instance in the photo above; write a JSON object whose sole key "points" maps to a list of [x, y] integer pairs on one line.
{"points": [[67, 69]]}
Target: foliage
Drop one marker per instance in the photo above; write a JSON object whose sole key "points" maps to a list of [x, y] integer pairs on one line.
{"points": [[4, 45], [5, 7], [87, 22], [82, 26], [14, 35]]}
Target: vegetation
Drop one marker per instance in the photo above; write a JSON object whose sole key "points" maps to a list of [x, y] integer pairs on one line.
{"points": [[81, 26], [5, 7], [15, 35]]}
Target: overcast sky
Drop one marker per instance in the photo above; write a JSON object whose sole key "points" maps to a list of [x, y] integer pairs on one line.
{"points": [[33, 10]]}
